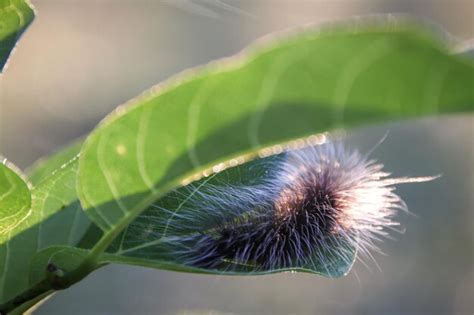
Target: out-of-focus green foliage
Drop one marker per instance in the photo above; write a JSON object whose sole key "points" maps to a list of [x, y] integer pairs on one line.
{"points": [[15, 16]]}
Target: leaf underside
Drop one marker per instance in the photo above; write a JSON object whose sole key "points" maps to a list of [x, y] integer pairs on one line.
{"points": [[288, 88]]}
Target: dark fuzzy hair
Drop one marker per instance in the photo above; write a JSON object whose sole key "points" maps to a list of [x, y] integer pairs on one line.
{"points": [[308, 209], [318, 201]]}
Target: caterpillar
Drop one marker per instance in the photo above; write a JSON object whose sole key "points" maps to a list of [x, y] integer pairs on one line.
{"points": [[311, 209]]}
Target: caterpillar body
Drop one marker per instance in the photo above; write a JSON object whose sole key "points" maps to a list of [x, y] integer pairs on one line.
{"points": [[312, 210]]}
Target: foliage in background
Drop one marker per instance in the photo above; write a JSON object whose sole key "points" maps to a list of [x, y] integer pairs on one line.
{"points": [[15, 16]]}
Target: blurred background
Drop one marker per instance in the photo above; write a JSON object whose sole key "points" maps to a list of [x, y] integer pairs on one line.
{"points": [[80, 59]]}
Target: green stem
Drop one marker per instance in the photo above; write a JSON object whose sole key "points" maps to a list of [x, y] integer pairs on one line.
{"points": [[31, 305], [27, 299], [91, 262]]}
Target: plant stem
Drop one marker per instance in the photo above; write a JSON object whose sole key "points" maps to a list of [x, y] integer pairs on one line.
{"points": [[27, 299], [91, 262], [31, 305]]}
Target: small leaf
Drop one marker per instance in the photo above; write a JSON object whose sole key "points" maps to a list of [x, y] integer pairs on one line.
{"points": [[59, 259], [53, 218], [15, 16], [15, 207], [15, 202]]}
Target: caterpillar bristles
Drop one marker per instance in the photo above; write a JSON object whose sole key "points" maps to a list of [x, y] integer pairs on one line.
{"points": [[315, 207]]}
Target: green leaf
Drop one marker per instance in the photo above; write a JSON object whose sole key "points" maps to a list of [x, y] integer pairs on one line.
{"points": [[15, 202], [65, 258], [54, 218], [15, 16], [286, 88], [15, 207], [46, 167]]}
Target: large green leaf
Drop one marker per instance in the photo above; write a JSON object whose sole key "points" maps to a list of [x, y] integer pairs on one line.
{"points": [[289, 87], [53, 218], [15, 16]]}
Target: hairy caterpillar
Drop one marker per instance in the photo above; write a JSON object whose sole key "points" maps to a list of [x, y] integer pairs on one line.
{"points": [[310, 210]]}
